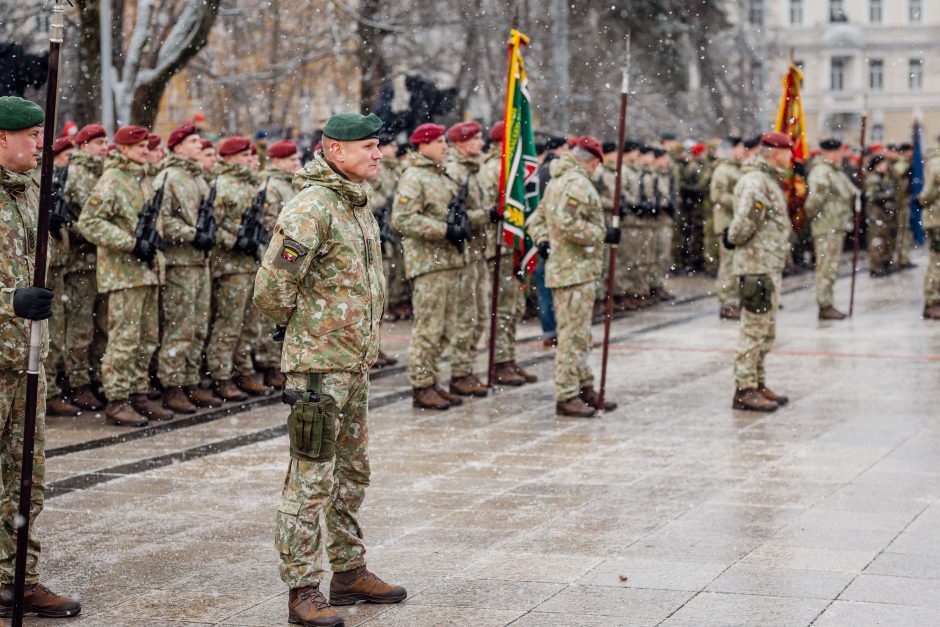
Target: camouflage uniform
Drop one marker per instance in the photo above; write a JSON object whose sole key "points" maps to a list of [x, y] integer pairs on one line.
{"points": [[882, 220], [667, 194], [399, 288], [187, 288], [55, 280], [760, 232], [574, 220], [19, 209], [650, 230], [929, 199], [108, 221], [627, 281], [829, 204], [721, 192], [432, 262], [322, 278], [232, 276], [85, 310], [905, 240]]}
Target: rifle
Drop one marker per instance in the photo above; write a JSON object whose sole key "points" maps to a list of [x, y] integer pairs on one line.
{"points": [[384, 219], [457, 212], [205, 221], [61, 213], [148, 239], [251, 232]]}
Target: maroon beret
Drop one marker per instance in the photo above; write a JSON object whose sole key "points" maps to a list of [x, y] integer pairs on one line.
{"points": [[127, 135], [153, 141], [426, 133], [573, 141], [62, 143], [254, 149], [180, 133], [463, 131], [497, 131], [776, 140], [207, 143], [234, 145], [590, 144], [282, 149], [88, 133]]}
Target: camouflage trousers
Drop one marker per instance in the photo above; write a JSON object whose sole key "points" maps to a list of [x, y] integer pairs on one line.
{"points": [[472, 315], [55, 360], [932, 280], [905, 239], [727, 283], [573, 308], [256, 341], [510, 306], [435, 298], [81, 290], [12, 415], [226, 349], [185, 324], [756, 334], [828, 249], [629, 278], [664, 251], [133, 335], [881, 233], [334, 489], [399, 288]]}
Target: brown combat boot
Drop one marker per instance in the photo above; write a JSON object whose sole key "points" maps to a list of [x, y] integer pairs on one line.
{"points": [[202, 398], [752, 400], [228, 391], [575, 407], [932, 312], [453, 399], [251, 386], [428, 398], [123, 414], [468, 386], [770, 395], [39, 600], [359, 585], [307, 606], [507, 375], [528, 376], [176, 401], [274, 378], [590, 396], [154, 392], [729, 313], [550, 342], [151, 409], [85, 399], [58, 406], [388, 359], [830, 313]]}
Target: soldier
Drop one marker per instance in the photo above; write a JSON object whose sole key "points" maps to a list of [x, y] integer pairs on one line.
{"points": [[233, 267], [759, 234], [666, 198], [882, 219], [574, 221], [721, 192], [434, 260], [399, 290], [902, 173], [130, 273], [208, 157], [21, 137], [185, 303], [829, 204], [629, 280], [929, 199], [86, 309], [322, 279]]}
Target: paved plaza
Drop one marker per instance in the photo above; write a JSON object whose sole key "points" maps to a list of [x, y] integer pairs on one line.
{"points": [[672, 510]]}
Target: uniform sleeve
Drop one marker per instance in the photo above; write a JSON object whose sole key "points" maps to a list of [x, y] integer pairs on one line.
{"points": [[95, 223], [228, 225], [407, 214], [535, 226], [575, 225], [817, 192], [931, 184], [750, 209], [721, 190], [175, 229]]}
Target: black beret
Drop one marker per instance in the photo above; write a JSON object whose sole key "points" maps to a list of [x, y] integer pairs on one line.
{"points": [[630, 145], [668, 136], [904, 147], [539, 147], [609, 147], [732, 140], [554, 142], [751, 142], [646, 149], [874, 161], [830, 144], [659, 152], [892, 147]]}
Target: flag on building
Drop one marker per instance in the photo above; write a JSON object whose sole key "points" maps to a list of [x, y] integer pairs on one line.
{"points": [[917, 186], [792, 122]]}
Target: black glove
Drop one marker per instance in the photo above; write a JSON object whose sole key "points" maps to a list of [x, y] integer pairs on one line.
{"points": [[144, 250], [612, 236], [55, 225], [456, 234], [724, 240], [279, 333], [545, 249], [33, 303], [494, 215], [203, 241]]}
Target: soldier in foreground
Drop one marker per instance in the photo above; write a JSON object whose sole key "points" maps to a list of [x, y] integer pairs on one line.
{"points": [[930, 200], [721, 191], [20, 145], [759, 234], [322, 279], [882, 218]]}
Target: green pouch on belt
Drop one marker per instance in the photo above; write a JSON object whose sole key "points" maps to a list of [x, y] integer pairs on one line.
{"points": [[311, 425], [757, 292], [933, 237]]}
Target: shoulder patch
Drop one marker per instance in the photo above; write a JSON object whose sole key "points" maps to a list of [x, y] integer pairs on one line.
{"points": [[758, 205], [404, 200], [290, 256]]}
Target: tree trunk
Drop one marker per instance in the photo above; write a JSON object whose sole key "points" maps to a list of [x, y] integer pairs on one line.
{"points": [[374, 71], [86, 106], [561, 59]]}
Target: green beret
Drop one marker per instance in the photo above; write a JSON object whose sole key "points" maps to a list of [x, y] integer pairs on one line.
{"points": [[348, 127], [17, 113]]}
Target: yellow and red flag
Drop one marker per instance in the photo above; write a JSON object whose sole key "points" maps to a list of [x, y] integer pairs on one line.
{"points": [[792, 122]]}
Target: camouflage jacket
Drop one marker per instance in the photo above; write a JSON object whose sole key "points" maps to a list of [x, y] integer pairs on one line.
{"points": [[901, 170], [489, 179], [879, 190], [605, 180], [420, 215], [84, 172], [184, 192], [929, 198], [235, 193], [721, 192], [760, 228], [280, 190], [830, 199], [462, 168], [322, 275], [19, 209], [58, 246], [109, 220], [574, 220]]}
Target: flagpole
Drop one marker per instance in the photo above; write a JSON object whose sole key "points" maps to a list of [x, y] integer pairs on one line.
{"points": [[615, 222], [857, 217]]}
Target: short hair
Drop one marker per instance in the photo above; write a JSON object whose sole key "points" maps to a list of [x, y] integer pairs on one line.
{"points": [[582, 155]]}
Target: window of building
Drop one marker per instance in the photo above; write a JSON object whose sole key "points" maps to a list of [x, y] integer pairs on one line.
{"points": [[837, 74], [837, 11], [915, 11], [756, 12], [796, 12], [915, 74], [874, 11], [876, 74], [877, 134]]}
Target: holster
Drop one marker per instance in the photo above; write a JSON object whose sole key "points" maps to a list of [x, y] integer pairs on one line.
{"points": [[757, 292], [311, 425]]}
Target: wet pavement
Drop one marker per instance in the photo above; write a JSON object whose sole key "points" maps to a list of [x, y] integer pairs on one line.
{"points": [[671, 510]]}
